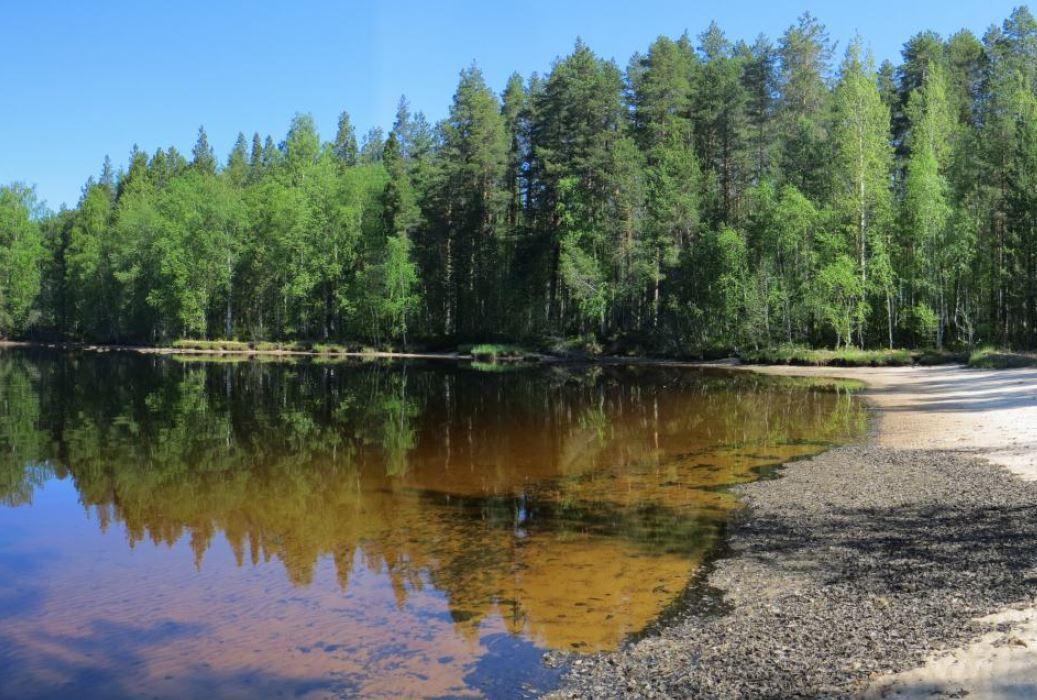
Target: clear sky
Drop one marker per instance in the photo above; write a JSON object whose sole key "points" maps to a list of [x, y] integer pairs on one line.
{"points": [[79, 80]]}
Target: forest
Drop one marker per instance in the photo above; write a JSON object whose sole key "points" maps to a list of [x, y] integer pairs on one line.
{"points": [[713, 195]]}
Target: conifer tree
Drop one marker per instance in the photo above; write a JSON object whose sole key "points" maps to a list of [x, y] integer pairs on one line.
{"points": [[804, 52], [371, 148], [202, 157], [345, 146], [473, 162], [237, 161]]}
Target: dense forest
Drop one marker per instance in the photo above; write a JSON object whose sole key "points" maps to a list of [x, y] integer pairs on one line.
{"points": [[712, 195]]}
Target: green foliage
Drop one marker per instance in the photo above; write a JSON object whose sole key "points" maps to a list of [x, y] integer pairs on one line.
{"points": [[804, 53], [992, 358], [709, 198], [21, 255], [212, 345], [861, 200], [392, 285], [838, 293], [493, 352], [196, 227], [929, 240], [345, 146], [847, 357]]}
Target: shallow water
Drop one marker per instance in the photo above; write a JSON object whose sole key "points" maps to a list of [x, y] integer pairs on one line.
{"points": [[174, 527]]}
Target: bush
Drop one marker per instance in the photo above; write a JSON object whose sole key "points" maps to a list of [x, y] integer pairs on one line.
{"points": [[494, 352], [578, 345], [331, 348], [848, 357], [992, 358], [211, 345], [242, 346]]}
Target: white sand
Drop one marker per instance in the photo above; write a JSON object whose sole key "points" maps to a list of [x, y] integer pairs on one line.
{"points": [[991, 414]]}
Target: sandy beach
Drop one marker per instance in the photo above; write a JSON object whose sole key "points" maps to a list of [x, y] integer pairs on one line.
{"points": [[899, 568], [987, 413], [991, 414]]}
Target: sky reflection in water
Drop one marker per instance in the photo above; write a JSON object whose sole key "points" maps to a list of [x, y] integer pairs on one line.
{"points": [[176, 527]]}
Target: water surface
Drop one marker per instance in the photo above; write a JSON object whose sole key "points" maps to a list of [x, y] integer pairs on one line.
{"points": [[175, 527]]}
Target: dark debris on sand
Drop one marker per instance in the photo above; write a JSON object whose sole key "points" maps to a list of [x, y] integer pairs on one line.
{"points": [[856, 562]]}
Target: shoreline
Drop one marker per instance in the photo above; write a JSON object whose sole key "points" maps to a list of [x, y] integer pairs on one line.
{"points": [[249, 352], [899, 567], [950, 450], [865, 359], [528, 357]]}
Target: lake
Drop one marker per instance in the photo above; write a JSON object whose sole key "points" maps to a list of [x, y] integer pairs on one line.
{"points": [[183, 527]]}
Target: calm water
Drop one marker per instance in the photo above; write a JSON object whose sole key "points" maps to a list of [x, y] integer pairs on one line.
{"points": [[202, 528]]}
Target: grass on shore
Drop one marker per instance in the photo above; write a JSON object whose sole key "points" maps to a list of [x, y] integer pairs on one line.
{"points": [[272, 347], [823, 384], [992, 358], [483, 352], [495, 352], [850, 357], [212, 345], [575, 346], [984, 358]]}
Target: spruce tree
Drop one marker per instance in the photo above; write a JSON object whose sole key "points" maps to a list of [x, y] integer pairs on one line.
{"points": [[202, 156], [345, 146]]}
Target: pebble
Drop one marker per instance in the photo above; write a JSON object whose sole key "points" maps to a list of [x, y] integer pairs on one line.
{"points": [[858, 560]]}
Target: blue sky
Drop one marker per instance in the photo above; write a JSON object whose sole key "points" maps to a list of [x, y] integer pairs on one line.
{"points": [[79, 80]]}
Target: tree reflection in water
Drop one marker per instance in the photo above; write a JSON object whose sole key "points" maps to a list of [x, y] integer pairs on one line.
{"points": [[572, 505]]}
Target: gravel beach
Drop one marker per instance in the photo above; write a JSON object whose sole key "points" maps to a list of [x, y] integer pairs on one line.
{"points": [[866, 570]]}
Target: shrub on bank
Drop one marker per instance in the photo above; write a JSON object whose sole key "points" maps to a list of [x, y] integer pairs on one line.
{"points": [[849, 357], [495, 352], [992, 358], [211, 345], [265, 346], [585, 345]]}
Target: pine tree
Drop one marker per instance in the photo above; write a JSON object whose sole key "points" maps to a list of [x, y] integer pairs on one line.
{"points": [[237, 162], [719, 108], [372, 146], [400, 205], [345, 146], [107, 178], [804, 54], [515, 111], [255, 155], [578, 117], [760, 79], [202, 157], [921, 54], [404, 126], [474, 160], [661, 92]]}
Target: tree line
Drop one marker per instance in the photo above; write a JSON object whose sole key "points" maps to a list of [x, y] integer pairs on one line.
{"points": [[714, 194]]}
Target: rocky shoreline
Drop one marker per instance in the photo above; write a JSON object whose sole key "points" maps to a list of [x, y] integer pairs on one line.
{"points": [[852, 565]]}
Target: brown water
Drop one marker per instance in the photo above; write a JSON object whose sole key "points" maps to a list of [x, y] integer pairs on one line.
{"points": [[181, 528]]}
